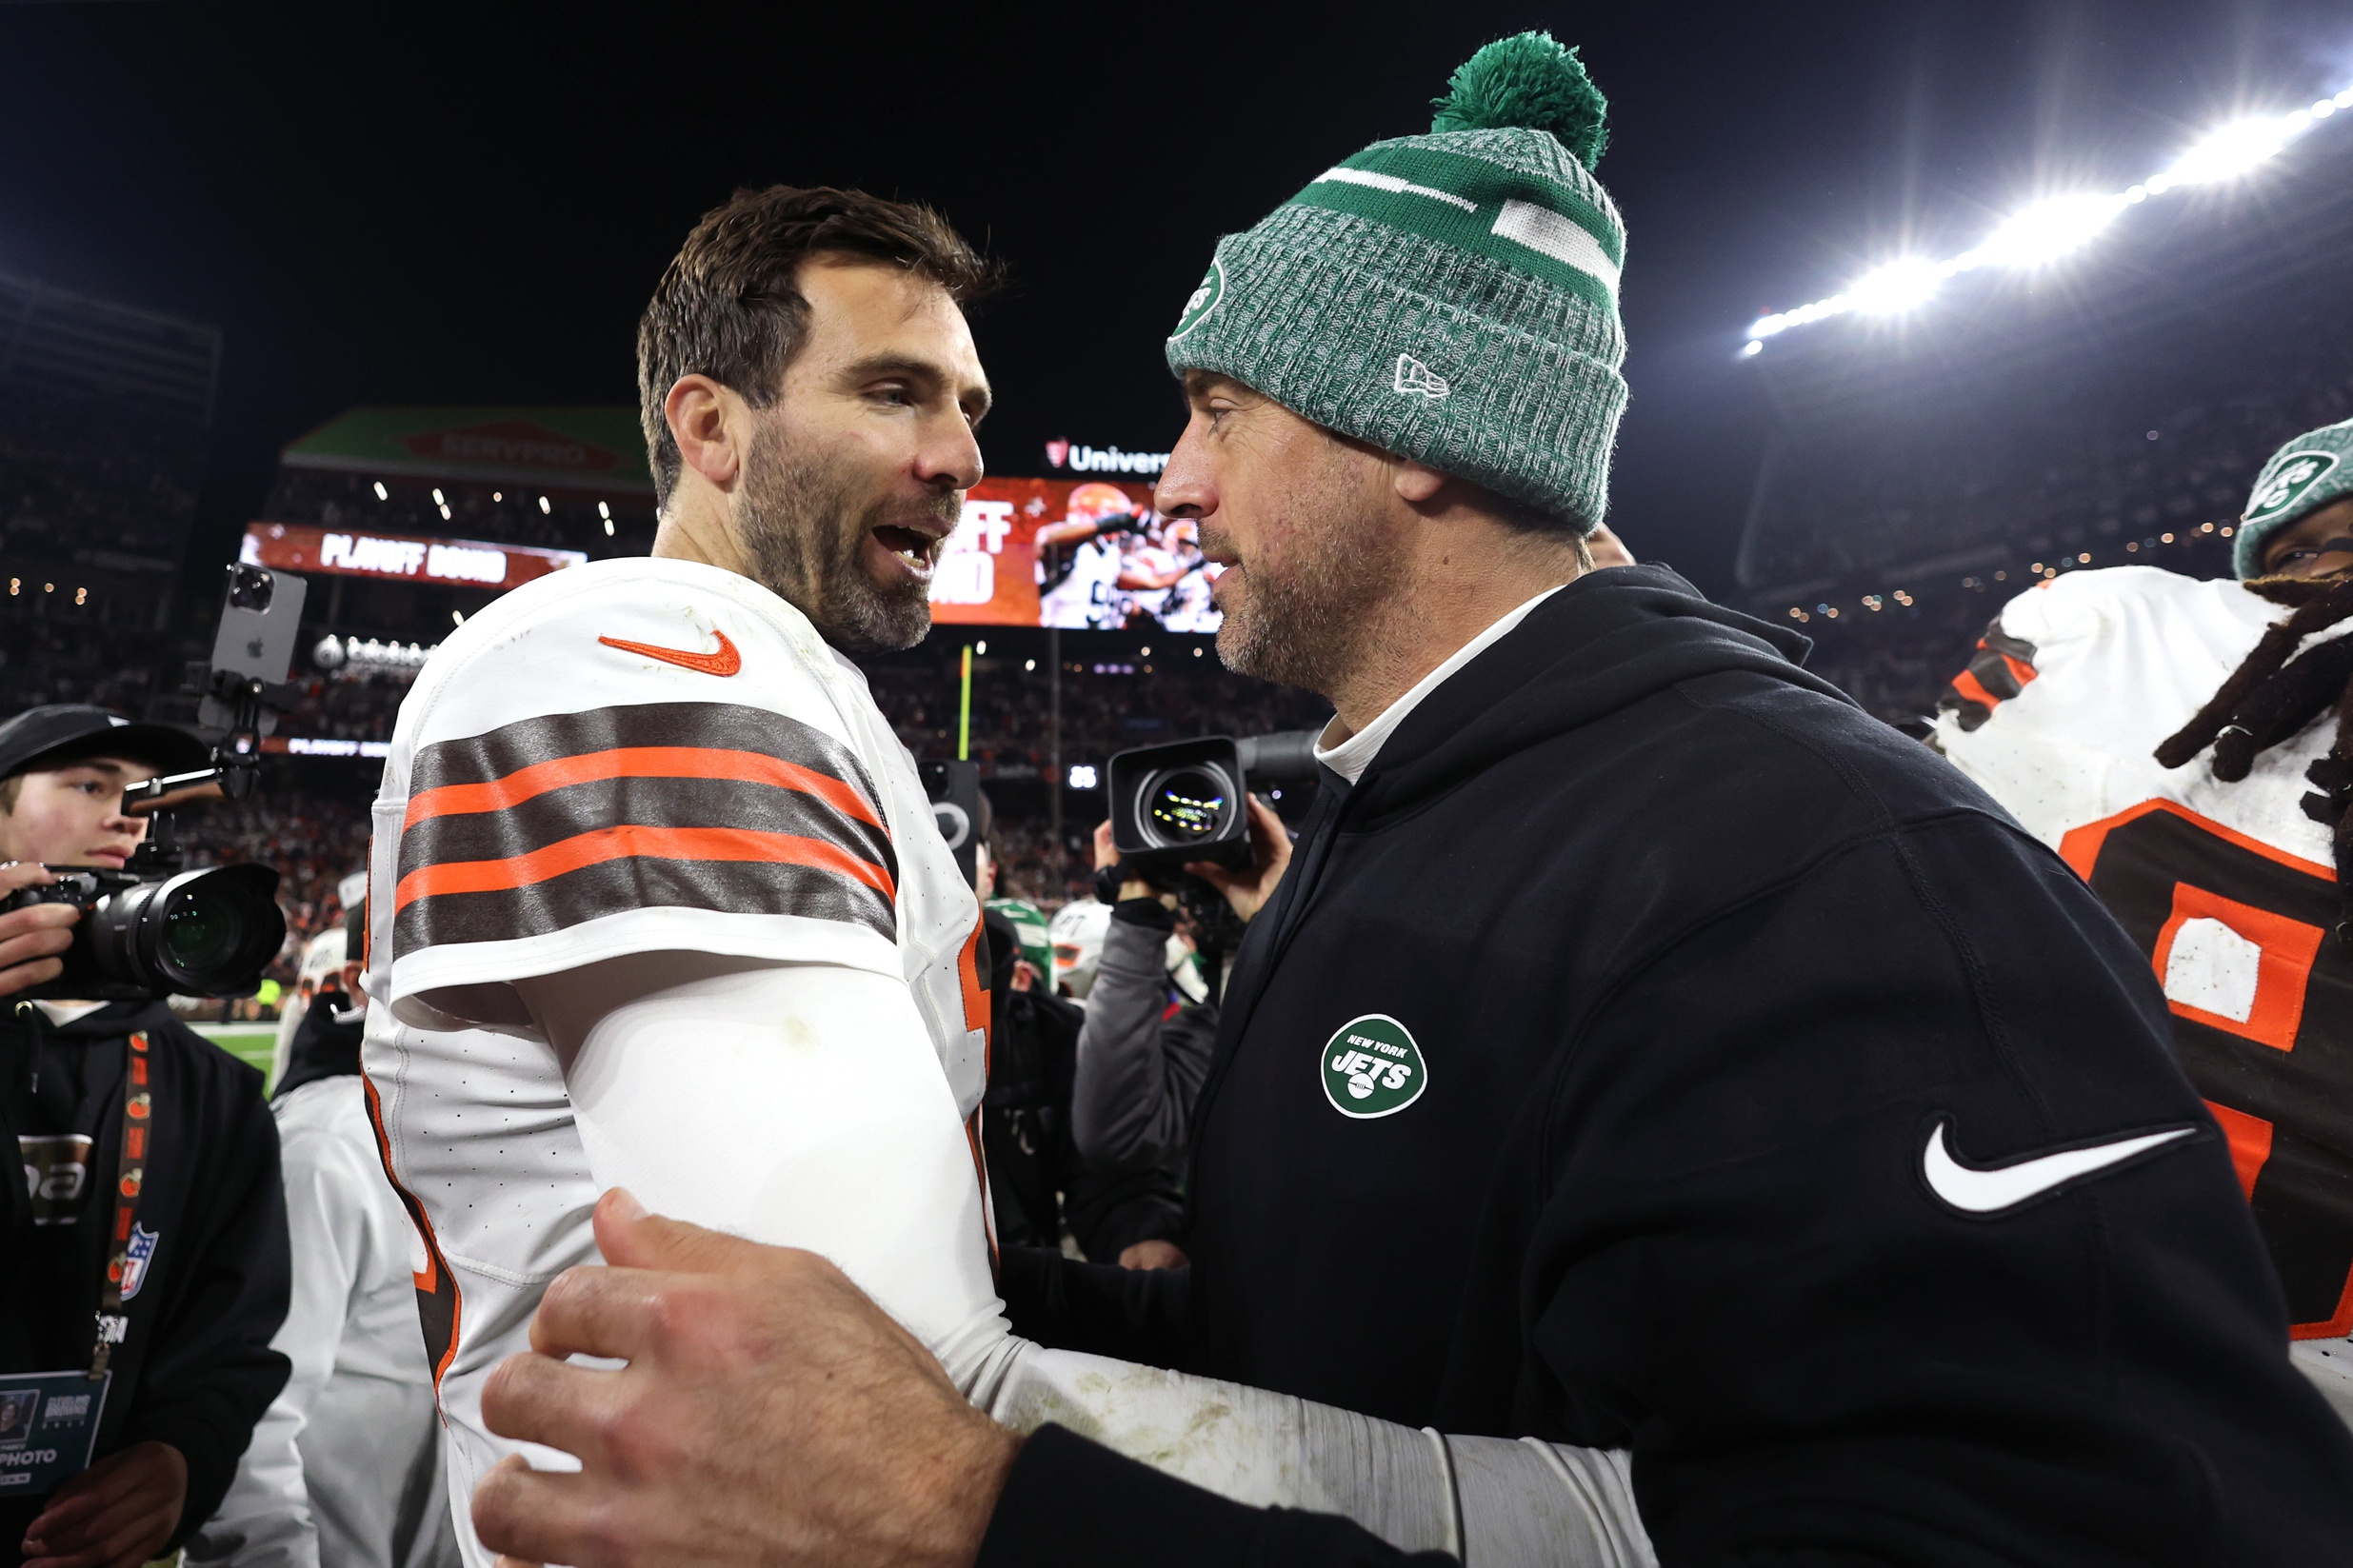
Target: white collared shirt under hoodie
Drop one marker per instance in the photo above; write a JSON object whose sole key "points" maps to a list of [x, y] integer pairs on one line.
{"points": [[1349, 758]]}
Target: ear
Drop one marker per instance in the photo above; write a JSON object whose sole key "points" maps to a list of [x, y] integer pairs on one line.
{"points": [[1417, 483], [706, 421]]}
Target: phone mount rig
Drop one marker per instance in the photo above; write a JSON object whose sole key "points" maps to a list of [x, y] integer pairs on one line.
{"points": [[238, 699]]}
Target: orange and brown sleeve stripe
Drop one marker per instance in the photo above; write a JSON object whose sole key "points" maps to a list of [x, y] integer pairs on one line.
{"points": [[1999, 669], [568, 818]]}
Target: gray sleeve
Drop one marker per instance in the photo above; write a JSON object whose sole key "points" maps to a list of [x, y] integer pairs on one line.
{"points": [[1492, 1502], [1131, 1102]]}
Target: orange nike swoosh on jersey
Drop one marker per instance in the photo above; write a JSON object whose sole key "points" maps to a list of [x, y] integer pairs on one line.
{"points": [[725, 662]]}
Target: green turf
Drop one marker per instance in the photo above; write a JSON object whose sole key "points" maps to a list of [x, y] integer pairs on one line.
{"points": [[251, 1044]]}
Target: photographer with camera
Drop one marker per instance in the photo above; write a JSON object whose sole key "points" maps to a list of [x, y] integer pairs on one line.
{"points": [[1145, 1047], [1040, 1187], [145, 1264]]}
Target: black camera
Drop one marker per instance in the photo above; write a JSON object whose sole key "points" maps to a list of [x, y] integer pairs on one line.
{"points": [[154, 928], [206, 933], [1185, 800]]}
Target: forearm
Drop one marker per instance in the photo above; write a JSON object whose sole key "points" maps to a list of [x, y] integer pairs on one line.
{"points": [[1125, 1110], [1490, 1501]]}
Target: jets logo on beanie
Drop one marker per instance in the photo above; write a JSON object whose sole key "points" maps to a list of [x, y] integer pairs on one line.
{"points": [[1451, 298], [2310, 472]]}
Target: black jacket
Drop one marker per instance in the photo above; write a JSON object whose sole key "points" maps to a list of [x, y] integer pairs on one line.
{"points": [[195, 1369], [1699, 961], [1038, 1181], [1144, 1050]]}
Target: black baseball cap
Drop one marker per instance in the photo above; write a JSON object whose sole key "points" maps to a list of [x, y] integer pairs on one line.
{"points": [[57, 733]]}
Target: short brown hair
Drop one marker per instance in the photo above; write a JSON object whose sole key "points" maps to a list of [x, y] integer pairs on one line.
{"points": [[726, 307]]}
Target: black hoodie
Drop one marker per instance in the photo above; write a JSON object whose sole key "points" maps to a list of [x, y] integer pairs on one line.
{"points": [[1698, 963], [195, 1369]]}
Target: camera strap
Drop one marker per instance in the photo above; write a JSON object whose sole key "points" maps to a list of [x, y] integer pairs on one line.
{"points": [[138, 1116]]}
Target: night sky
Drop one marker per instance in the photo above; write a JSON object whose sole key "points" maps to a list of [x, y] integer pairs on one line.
{"points": [[471, 204]]}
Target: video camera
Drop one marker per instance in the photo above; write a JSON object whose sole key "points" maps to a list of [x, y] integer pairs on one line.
{"points": [[1184, 801], [153, 928]]}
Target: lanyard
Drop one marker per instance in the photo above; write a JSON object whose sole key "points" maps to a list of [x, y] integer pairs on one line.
{"points": [[138, 1114]]}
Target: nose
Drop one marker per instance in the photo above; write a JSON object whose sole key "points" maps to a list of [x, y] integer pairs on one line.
{"points": [[1186, 487], [949, 456]]}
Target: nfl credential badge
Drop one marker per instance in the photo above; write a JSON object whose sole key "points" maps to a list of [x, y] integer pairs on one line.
{"points": [[1204, 300], [135, 1258], [1372, 1068]]}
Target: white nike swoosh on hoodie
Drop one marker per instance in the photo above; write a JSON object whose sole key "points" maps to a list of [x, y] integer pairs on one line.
{"points": [[2006, 1186]]}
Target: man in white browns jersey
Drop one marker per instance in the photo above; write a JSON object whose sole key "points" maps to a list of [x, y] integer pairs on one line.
{"points": [[657, 901], [2185, 746], [656, 898]]}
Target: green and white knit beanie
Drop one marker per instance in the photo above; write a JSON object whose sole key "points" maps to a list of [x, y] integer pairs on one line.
{"points": [[2312, 472], [1451, 298]]}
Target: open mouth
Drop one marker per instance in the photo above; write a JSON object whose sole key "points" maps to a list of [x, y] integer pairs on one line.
{"points": [[914, 550]]}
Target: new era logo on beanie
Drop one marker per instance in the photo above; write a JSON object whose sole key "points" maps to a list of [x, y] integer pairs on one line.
{"points": [[1417, 379], [1450, 297]]}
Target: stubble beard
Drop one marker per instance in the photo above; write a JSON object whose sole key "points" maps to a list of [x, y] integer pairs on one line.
{"points": [[804, 527], [1304, 620]]}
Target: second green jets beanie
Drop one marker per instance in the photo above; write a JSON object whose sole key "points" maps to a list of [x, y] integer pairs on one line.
{"points": [[2311, 471], [1451, 298]]}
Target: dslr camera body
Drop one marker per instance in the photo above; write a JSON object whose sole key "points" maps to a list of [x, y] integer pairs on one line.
{"points": [[205, 933], [153, 928]]}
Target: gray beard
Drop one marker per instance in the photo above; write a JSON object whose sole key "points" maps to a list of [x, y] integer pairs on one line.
{"points": [[805, 533], [1306, 624]]}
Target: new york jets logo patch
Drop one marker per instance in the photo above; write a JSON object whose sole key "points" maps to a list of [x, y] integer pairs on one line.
{"points": [[1204, 301], [1415, 378], [2297, 475], [1373, 1069]]}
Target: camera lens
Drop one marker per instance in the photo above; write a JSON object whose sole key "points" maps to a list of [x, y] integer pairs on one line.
{"points": [[251, 588], [219, 929], [200, 931], [1186, 805]]}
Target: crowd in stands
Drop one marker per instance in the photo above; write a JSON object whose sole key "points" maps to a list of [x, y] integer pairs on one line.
{"points": [[505, 514], [55, 659], [2052, 463], [79, 477]]}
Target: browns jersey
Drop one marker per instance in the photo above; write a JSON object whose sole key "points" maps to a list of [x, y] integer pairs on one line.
{"points": [[631, 757], [2230, 888]]}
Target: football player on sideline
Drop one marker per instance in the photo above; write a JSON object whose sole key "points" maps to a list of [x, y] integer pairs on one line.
{"points": [[658, 903], [2089, 710]]}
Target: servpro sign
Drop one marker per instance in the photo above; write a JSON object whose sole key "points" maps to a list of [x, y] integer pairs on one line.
{"points": [[302, 547]]}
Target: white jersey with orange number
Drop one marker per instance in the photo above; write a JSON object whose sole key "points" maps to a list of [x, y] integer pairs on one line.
{"points": [[2230, 888], [636, 758]]}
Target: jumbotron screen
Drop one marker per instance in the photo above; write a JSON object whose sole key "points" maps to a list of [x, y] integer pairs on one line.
{"points": [[1083, 555]]}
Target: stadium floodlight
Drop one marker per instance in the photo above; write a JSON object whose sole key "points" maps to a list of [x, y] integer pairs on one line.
{"points": [[1895, 286], [2046, 231], [2056, 225], [2230, 150]]}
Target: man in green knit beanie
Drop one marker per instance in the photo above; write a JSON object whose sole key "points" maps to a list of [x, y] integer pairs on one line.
{"points": [[1658, 1114], [1434, 319]]}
